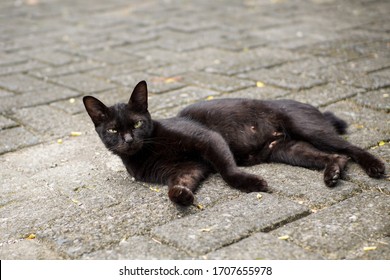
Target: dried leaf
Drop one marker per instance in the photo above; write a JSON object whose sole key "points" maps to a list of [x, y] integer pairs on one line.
{"points": [[31, 236], [372, 248], [200, 206], [284, 237], [359, 126], [260, 84], [75, 133], [75, 201], [172, 80]]}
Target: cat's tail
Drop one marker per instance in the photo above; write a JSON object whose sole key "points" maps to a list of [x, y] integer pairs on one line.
{"points": [[339, 124]]}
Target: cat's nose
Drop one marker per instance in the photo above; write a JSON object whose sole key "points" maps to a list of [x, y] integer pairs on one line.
{"points": [[128, 139]]}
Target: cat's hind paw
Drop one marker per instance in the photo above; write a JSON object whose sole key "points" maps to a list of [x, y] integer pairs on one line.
{"points": [[181, 195], [333, 171]]}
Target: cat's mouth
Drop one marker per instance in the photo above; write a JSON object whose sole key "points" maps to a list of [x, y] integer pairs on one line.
{"points": [[128, 149]]}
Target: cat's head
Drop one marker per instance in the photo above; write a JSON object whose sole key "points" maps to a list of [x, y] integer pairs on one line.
{"points": [[124, 127]]}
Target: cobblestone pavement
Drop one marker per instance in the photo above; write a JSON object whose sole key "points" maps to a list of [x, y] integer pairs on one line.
{"points": [[63, 196]]}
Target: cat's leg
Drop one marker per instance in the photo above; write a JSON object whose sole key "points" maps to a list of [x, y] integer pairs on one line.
{"points": [[184, 181], [303, 154], [332, 142], [315, 129], [372, 165], [217, 152]]}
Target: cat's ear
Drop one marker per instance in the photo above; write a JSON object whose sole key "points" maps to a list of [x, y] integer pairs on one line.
{"points": [[139, 98], [96, 109]]}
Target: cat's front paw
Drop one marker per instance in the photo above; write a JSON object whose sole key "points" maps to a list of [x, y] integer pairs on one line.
{"points": [[248, 182], [181, 195], [374, 167]]}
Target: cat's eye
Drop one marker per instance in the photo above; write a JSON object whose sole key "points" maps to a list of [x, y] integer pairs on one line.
{"points": [[111, 130], [138, 124]]}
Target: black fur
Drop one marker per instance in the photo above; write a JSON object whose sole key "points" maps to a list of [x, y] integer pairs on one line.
{"points": [[219, 135]]}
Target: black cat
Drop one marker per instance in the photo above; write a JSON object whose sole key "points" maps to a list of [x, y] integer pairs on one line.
{"points": [[219, 135]]}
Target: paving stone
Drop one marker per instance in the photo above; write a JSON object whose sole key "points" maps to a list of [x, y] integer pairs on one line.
{"points": [[6, 123], [155, 84], [71, 68], [181, 42], [21, 83], [110, 72], [378, 99], [27, 250], [48, 121], [7, 59], [367, 65], [364, 128], [4, 93], [187, 25], [15, 138], [262, 246], [373, 81], [83, 83], [110, 56], [356, 174], [339, 231], [263, 92], [159, 56], [36, 97], [244, 43], [308, 65], [54, 58], [138, 248], [323, 95], [228, 222], [77, 198], [194, 60], [21, 67], [303, 185], [183, 96], [284, 80], [217, 82], [247, 61]]}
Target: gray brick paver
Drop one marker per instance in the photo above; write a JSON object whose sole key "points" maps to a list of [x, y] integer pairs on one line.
{"points": [[78, 199]]}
